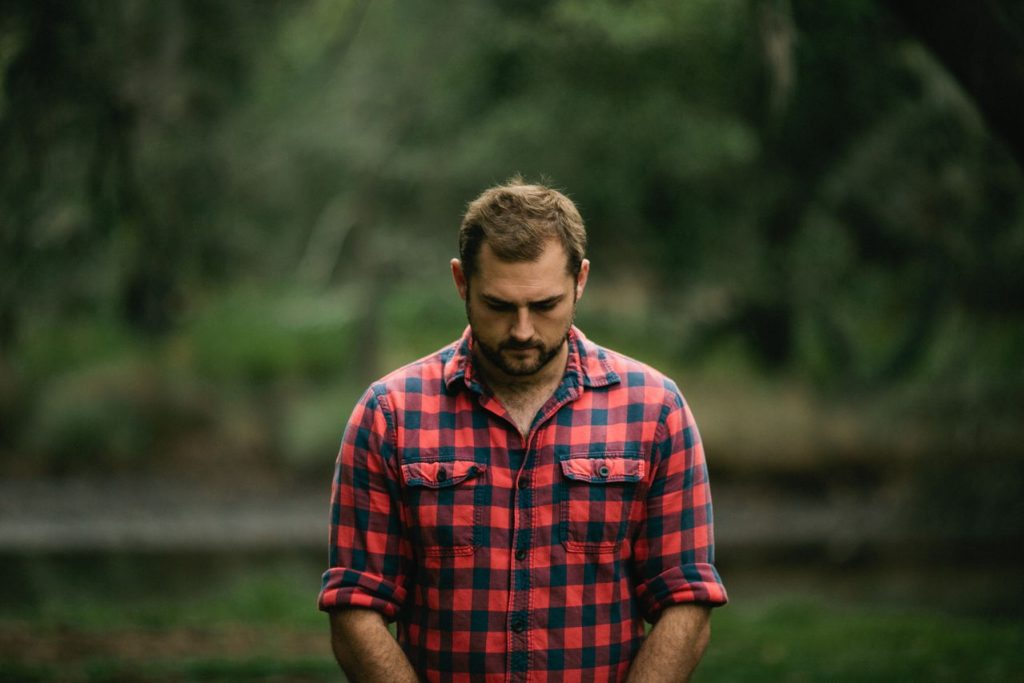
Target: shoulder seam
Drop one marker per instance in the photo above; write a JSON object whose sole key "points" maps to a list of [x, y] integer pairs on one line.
{"points": [[380, 392]]}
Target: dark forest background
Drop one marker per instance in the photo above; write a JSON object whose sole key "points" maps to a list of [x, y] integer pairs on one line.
{"points": [[220, 220]]}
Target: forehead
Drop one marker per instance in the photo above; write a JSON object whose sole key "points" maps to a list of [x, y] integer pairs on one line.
{"points": [[523, 280]]}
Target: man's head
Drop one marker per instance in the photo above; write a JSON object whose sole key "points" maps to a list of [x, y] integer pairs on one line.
{"points": [[521, 273]]}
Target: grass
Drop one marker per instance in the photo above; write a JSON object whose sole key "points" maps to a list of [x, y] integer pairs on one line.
{"points": [[109, 671], [253, 619], [796, 639]]}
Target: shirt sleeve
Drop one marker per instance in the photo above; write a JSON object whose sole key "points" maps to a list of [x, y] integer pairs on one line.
{"points": [[369, 557], [674, 550]]}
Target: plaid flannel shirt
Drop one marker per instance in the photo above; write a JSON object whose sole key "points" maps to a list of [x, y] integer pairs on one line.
{"points": [[512, 558]]}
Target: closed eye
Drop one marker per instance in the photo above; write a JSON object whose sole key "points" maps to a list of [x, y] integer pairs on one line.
{"points": [[542, 306], [498, 306]]}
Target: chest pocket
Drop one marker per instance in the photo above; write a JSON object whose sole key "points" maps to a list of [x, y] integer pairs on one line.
{"points": [[444, 506], [598, 492]]}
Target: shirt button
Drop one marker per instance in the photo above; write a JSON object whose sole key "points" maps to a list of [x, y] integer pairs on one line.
{"points": [[603, 471], [441, 475], [521, 554], [519, 625], [523, 482]]}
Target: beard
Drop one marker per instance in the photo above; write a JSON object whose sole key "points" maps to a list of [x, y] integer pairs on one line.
{"points": [[505, 358]]}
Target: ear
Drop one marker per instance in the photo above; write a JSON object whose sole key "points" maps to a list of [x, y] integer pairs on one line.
{"points": [[460, 278], [581, 279]]}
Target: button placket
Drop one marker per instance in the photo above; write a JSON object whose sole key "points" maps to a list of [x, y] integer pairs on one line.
{"points": [[520, 579]]}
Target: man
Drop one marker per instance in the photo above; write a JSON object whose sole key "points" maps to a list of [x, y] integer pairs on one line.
{"points": [[522, 500]]}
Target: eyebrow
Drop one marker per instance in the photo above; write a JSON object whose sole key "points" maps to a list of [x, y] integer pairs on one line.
{"points": [[551, 300]]}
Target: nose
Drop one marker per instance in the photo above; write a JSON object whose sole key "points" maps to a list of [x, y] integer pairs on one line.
{"points": [[522, 327]]}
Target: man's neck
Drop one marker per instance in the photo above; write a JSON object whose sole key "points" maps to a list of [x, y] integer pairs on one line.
{"points": [[523, 397]]}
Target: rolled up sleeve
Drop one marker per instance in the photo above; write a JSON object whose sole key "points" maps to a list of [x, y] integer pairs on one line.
{"points": [[674, 550], [369, 557]]}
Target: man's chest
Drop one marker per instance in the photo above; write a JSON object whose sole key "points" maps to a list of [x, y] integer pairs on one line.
{"points": [[486, 425], [521, 405], [470, 480], [523, 409]]}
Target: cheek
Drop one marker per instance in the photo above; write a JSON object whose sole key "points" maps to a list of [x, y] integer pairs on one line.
{"points": [[486, 322], [554, 322]]}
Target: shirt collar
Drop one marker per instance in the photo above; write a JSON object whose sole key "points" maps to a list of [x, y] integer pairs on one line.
{"points": [[588, 364]]}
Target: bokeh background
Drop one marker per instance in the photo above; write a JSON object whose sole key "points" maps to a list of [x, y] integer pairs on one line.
{"points": [[220, 220]]}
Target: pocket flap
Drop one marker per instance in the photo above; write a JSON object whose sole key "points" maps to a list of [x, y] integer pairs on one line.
{"points": [[606, 469], [437, 475]]}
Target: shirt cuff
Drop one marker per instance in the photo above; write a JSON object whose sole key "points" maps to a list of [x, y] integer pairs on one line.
{"points": [[349, 588], [698, 582]]}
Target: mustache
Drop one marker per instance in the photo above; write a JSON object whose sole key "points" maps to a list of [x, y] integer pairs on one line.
{"points": [[512, 345]]}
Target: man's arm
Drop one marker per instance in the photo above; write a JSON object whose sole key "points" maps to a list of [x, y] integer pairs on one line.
{"points": [[365, 649], [370, 558], [674, 646], [673, 553]]}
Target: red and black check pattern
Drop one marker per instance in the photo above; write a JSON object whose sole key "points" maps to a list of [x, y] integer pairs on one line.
{"points": [[506, 558]]}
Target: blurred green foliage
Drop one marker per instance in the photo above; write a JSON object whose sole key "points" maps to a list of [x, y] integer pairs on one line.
{"points": [[218, 221]]}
